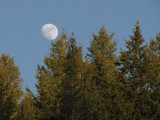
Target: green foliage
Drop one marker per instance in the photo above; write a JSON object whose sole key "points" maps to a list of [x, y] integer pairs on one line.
{"points": [[153, 77], [108, 100], [28, 106], [10, 88], [72, 82], [104, 86], [50, 78], [139, 65]]}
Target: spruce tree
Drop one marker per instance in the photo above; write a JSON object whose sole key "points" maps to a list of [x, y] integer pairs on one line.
{"points": [[28, 106], [10, 88], [107, 100], [72, 82], [153, 85], [50, 78], [87, 98], [134, 68]]}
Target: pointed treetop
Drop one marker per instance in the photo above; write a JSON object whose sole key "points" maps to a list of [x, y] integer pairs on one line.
{"points": [[137, 23]]}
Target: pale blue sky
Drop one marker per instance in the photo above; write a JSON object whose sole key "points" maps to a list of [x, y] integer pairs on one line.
{"points": [[21, 22]]}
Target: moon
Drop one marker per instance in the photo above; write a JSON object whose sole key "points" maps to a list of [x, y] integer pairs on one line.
{"points": [[50, 31]]}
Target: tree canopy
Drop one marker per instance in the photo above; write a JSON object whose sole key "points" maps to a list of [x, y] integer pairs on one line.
{"points": [[101, 86]]}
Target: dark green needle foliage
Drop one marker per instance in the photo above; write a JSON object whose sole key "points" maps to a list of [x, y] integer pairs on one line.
{"points": [[103, 86], [28, 106], [50, 78], [72, 82], [153, 76], [107, 100], [136, 67], [10, 88]]}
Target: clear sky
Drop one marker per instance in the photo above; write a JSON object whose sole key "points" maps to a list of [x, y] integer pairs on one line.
{"points": [[21, 22]]}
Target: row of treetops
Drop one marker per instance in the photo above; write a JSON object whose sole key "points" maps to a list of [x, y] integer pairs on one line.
{"points": [[104, 86]]}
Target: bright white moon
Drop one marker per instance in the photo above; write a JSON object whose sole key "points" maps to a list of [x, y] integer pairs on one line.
{"points": [[50, 31]]}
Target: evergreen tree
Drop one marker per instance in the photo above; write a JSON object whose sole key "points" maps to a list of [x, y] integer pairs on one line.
{"points": [[28, 106], [72, 82], [87, 98], [107, 100], [134, 68], [153, 77], [50, 78], [10, 88]]}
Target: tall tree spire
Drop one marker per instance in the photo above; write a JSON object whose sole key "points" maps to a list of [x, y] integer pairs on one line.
{"points": [[104, 76], [50, 78], [72, 82], [134, 61], [10, 88]]}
